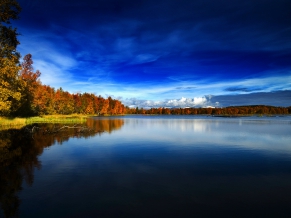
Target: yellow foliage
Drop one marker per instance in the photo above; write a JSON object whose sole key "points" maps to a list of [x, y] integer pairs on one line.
{"points": [[10, 86]]}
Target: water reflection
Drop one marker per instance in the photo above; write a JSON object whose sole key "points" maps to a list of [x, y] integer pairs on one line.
{"points": [[17, 159], [20, 149], [149, 166], [265, 134]]}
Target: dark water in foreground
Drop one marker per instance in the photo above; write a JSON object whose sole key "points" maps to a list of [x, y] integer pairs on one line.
{"points": [[149, 166]]}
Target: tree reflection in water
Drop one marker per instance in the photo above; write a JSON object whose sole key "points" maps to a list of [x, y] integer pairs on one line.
{"points": [[20, 149]]}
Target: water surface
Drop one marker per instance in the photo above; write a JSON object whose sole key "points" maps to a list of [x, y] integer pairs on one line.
{"points": [[142, 166]]}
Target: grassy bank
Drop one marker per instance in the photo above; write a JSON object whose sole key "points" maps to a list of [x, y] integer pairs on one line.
{"points": [[17, 123]]}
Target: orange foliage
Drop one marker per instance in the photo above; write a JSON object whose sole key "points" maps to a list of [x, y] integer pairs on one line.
{"points": [[42, 99]]}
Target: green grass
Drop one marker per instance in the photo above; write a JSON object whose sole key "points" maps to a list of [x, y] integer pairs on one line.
{"points": [[7, 123], [17, 123]]}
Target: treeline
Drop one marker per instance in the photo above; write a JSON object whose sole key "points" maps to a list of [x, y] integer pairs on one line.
{"points": [[234, 110], [39, 99], [47, 100]]}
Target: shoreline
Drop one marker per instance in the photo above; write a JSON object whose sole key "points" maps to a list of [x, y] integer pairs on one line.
{"points": [[19, 122]]}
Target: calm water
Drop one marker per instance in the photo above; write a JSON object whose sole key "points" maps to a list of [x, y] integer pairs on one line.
{"points": [[148, 166]]}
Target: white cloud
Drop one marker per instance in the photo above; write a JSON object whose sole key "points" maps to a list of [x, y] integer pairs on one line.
{"points": [[187, 102], [51, 74], [278, 98], [55, 62], [182, 102]]}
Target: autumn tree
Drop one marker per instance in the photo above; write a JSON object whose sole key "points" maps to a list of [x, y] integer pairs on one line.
{"points": [[64, 102], [44, 100], [10, 90], [29, 82]]}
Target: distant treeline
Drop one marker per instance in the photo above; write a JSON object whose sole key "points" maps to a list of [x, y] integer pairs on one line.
{"points": [[234, 110]]}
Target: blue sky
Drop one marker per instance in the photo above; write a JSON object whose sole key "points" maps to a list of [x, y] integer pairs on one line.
{"points": [[171, 53]]}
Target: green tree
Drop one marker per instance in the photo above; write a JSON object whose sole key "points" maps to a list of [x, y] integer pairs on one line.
{"points": [[10, 88]]}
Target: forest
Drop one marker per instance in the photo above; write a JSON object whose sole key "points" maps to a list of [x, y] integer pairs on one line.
{"points": [[22, 94]]}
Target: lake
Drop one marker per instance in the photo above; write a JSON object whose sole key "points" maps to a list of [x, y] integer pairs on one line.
{"points": [[148, 166]]}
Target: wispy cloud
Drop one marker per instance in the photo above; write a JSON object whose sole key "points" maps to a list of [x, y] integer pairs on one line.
{"points": [[182, 94], [241, 89], [163, 53]]}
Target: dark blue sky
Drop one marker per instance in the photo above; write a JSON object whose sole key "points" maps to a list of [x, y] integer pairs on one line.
{"points": [[163, 53]]}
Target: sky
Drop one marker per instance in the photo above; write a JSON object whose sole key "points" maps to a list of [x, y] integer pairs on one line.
{"points": [[163, 53]]}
